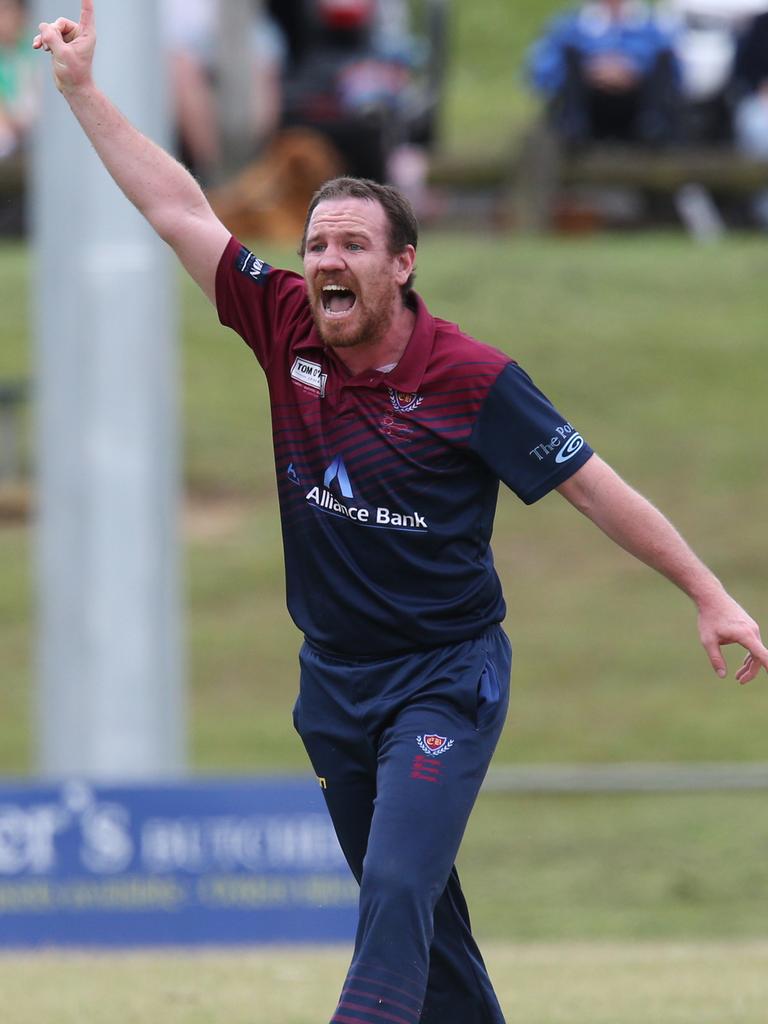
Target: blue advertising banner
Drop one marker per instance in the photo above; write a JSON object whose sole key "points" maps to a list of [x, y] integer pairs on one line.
{"points": [[204, 862]]}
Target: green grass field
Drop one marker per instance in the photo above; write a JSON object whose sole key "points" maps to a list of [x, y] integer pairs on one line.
{"points": [[646, 345], [554, 983], [656, 350], [632, 909]]}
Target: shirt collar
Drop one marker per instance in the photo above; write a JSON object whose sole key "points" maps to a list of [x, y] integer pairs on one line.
{"points": [[409, 372]]}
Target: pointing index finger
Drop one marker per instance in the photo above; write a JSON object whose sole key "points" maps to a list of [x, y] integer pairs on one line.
{"points": [[87, 15]]}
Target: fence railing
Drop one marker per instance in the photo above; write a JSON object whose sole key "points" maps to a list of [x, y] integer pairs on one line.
{"points": [[627, 778]]}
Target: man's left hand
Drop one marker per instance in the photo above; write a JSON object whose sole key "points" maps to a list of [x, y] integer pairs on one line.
{"points": [[723, 621]]}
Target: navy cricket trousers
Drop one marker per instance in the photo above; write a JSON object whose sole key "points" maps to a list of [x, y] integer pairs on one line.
{"points": [[401, 746]]}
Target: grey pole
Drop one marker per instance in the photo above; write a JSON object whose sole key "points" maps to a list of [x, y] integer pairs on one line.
{"points": [[110, 701], [235, 87]]}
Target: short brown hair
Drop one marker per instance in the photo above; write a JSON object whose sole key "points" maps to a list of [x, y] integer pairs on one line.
{"points": [[403, 226]]}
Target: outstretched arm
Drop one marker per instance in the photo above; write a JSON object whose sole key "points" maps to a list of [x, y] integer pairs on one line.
{"points": [[632, 522], [157, 185]]}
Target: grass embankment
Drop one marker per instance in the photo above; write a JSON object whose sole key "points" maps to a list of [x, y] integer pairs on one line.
{"points": [[656, 351], [654, 348]]}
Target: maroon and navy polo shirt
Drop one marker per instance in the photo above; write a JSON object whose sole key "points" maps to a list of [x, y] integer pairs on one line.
{"points": [[388, 480]]}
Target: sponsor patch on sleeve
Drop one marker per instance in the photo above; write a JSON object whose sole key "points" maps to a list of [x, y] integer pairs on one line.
{"points": [[251, 266], [564, 443]]}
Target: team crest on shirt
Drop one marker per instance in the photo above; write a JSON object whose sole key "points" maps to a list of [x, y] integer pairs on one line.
{"points": [[404, 401], [433, 744]]}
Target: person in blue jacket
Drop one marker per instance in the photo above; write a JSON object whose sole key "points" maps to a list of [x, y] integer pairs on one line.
{"points": [[608, 70], [749, 89]]}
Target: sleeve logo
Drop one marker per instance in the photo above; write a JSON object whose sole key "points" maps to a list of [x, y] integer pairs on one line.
{"points": [[564, 443], [573, 445], [251, 266]]}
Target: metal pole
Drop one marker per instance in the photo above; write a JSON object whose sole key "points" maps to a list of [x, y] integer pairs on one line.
{"points": [[235, 83], [110, 676]]}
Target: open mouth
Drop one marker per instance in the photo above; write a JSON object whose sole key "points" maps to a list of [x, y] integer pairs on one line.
{"points": [[337, 300]]}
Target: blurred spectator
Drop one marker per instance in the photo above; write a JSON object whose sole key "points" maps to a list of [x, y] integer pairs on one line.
{"points": [[357, 84], [295, 23], [18, 92], [352, 105], [705, 42], [750, 88], [191, 32], [393, 38], [18, 109], [391, 28], [609, 71]]}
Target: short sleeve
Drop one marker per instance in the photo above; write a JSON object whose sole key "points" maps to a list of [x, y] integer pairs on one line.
{"points": [[523, 438], [258, 301]]}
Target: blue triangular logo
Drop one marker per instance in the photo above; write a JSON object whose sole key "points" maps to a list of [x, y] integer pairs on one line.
{"points": [[338, 471]]}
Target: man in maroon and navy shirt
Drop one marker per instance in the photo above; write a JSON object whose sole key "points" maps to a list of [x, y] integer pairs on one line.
{"points": [[392, 430], [387, 467]]}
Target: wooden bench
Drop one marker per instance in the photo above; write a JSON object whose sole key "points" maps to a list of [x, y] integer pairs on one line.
{"points": [[543, 172], [530, 182]]}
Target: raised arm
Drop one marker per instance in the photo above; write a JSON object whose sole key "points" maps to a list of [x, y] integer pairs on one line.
{"points": [[632, 522], [157, 185]]}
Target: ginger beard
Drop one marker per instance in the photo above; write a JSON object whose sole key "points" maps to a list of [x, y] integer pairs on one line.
{"points": [[348, 313]]}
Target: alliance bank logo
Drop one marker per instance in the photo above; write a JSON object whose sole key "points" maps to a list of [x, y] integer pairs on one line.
{"points": [[337, 472], [336, 497]]}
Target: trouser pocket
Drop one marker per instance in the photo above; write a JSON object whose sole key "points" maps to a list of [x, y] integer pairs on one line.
{"points": [[493, 684]]}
